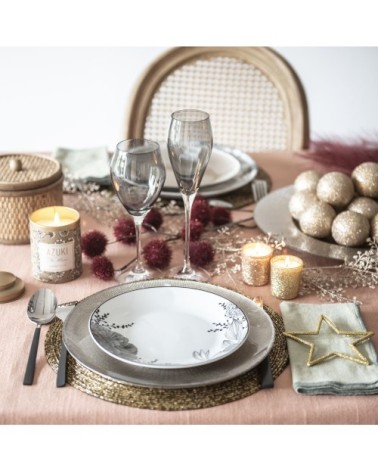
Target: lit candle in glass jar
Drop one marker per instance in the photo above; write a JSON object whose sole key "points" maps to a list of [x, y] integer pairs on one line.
{"points": [[255, 263], [55, 244], [285, 276]]}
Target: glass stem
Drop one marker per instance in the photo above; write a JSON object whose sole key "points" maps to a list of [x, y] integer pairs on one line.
{"points": [[139, 269], [188, 202]]}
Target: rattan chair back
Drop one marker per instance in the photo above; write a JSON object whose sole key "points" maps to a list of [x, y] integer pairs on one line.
{"points": [[254, 97]]}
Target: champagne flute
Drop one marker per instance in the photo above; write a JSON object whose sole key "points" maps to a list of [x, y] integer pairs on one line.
{"points": [[190, 141], [138, 175]]}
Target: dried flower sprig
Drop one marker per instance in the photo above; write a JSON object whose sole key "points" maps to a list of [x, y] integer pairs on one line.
{"points": [[90, 198], [331, 282]]}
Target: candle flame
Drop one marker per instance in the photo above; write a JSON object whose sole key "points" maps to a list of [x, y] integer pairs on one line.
{"points": [[56, 217], [257, 249], [287, 262]]}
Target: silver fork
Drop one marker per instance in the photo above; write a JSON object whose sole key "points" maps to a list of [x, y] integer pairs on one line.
{"points": [[259, 189]]}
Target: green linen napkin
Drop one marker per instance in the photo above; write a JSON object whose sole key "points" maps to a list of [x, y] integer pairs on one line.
{"points": [[336, 376], [89, 165]]}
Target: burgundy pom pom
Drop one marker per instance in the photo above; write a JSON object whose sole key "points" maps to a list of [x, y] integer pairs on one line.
{"points": [[153, 218], [196, 229], [93, 243], [201, 253], [102, 268], [124, 230], [220, 216], [201, 211], [157, 254]]}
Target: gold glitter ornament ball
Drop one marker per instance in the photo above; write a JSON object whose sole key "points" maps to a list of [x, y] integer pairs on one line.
{"points": [[307, 180], [374, 227], [350, 229], [317, 220], [336, 189], [364, 205], [300, 201], [365, 179]]}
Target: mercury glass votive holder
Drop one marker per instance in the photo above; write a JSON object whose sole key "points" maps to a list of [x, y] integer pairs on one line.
{"points": [[256, 263], [285, 276]]}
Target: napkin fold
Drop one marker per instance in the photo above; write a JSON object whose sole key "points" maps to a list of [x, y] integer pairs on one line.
{"points": [[89, 165], [336, 376]]}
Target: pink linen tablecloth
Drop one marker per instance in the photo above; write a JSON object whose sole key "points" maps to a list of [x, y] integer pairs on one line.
{"points": [[43, 403]]}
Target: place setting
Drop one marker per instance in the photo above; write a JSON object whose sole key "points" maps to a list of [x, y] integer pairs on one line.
{"points": [[234, 343]]}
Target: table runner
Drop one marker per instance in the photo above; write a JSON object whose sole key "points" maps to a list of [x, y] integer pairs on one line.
{"points": [[104, 388]]}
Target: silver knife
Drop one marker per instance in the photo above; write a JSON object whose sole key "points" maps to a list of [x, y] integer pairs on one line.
{"points": [[62, 311]]}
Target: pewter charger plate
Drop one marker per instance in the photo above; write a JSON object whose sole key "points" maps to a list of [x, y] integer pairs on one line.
{"points": [[79, 342], [168, 327], [272, 216]]}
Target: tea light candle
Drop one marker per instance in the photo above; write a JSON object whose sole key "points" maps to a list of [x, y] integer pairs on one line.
{"points": [[55, 244], [285, 276], [255, 263]]}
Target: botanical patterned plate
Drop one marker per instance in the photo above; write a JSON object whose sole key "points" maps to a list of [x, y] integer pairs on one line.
{"points": [[85, 351], [168, 327]]}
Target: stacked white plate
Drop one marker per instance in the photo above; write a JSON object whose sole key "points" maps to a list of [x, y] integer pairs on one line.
{"points": [[168, 333], [228, 170]]}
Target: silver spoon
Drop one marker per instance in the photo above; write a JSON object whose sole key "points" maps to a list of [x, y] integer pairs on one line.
{"points": [[41, 310]]}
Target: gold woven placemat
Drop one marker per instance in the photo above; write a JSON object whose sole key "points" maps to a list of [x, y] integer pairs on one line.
{"points": [[166, 399]]}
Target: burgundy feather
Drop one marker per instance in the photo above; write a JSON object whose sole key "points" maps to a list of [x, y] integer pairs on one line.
{"points": [[342, 155]]}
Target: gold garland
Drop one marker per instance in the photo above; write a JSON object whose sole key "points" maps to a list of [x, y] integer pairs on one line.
{"points": [[102, 387]]}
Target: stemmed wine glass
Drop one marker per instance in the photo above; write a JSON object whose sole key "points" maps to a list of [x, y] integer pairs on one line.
{"points": [[190, 141], [138, 175]]}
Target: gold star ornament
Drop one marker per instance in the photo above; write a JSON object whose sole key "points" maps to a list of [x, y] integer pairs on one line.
{"points": [[360, 337]]}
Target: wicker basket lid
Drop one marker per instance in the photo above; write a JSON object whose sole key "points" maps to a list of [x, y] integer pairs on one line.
{"points": [[27, 171]]}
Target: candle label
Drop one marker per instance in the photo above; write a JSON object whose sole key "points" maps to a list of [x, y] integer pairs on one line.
{"points": [[56, 257]]}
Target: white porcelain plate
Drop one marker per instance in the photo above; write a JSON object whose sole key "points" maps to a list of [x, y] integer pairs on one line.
{"points": [[222, 167], [86, 352], [168, 327], [246, 172]]}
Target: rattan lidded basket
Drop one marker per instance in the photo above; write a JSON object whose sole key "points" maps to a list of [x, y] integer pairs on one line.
{"points": [[27, 182]]}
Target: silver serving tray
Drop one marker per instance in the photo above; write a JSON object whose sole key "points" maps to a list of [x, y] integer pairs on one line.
{"points": [[247, 172], [78, 340], [272, 216]]}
